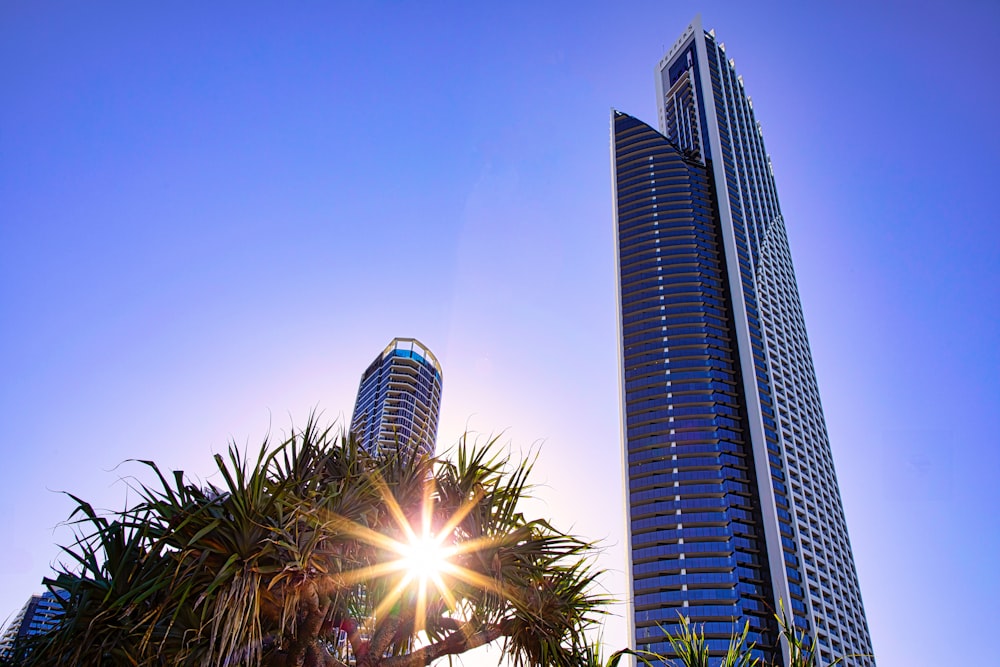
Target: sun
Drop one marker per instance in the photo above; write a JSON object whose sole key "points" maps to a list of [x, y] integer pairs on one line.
{"points": [[424, 558], [426, 554]]}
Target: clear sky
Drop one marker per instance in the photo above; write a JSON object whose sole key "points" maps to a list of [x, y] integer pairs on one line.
{"points": [[214, 215]]}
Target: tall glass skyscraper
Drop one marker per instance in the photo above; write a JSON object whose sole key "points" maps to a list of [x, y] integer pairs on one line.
{"points": [[40, 614], [399, 399], [732, 500]]}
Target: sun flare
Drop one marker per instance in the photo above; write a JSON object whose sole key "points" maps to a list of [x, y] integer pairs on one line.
{"points": [[428, 556], [424, 557]]}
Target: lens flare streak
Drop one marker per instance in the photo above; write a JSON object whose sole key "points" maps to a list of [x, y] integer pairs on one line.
{"points": [[425, 559]]}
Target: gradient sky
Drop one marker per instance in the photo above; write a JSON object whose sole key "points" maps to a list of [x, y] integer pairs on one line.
{"points": [[213, 216]]}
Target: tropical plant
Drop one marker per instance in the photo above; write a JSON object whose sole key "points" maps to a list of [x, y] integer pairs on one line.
{"points": [[801, 651], [592, 657], [691, 648], [316, 553]]}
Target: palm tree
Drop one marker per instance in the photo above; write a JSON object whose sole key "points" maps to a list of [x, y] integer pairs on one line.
{"points": [[802, 652], [315, 553], [692, 650]]}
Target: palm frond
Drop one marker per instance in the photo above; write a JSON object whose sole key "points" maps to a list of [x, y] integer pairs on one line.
{"points": [[291, 560]]}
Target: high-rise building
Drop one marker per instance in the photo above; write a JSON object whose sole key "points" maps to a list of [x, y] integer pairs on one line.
{"points": [[399, 399], [38, 615], [732, 501]]}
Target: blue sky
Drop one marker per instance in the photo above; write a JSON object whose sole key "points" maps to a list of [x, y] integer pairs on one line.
{"points": [[212, 219]]}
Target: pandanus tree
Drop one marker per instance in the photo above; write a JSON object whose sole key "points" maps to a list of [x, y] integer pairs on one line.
{"points": [[691, 649], [316, 553]]}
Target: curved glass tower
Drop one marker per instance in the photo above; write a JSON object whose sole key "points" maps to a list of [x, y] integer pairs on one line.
{"points": [[399, 399], [732, 499]]}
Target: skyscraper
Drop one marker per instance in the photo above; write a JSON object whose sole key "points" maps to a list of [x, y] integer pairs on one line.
{"points": [[732, 500], [399, 399], [39, 614]]}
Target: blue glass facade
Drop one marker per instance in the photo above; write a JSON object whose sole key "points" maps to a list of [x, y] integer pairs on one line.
{"points": [[717, 378], [694, 517], [39, 615], [399, 399]]}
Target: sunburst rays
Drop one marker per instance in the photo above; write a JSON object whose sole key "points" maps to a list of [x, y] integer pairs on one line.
{"points": [[425, 548]]}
